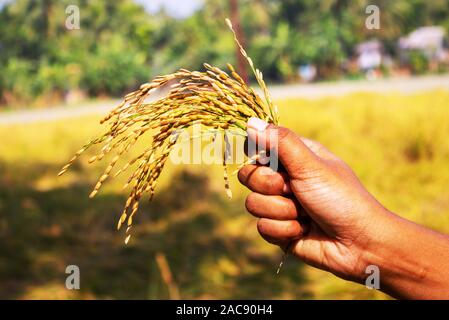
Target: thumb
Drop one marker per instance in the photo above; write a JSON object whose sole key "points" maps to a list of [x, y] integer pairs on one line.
{"points": [[291, 151]]}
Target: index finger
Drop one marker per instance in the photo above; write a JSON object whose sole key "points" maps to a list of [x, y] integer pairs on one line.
{"points": [[264, 180]]}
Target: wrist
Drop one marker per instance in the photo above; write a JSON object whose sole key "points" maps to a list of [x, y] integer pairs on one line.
{"points": [[374, 247], [385, 251], [411, 259]]}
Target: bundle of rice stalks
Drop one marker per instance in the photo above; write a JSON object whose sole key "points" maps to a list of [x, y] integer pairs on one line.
{"points": [[216, 99]]}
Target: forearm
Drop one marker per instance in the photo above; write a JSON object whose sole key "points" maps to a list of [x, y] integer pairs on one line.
{"points": [[413, 260]]}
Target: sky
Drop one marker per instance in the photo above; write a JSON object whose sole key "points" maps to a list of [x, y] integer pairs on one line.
{"points": [[175, 8], [3, 2]]}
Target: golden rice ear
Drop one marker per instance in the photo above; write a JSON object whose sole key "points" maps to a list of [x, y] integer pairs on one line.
{"points": [[257, 73], [226, 157], [213, 98]]}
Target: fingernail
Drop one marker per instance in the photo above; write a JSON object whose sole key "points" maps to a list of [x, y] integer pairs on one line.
{"points": [[257, 124]]}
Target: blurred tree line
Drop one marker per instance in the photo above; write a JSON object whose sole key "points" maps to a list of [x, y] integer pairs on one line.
{"points": [[120, 45]]}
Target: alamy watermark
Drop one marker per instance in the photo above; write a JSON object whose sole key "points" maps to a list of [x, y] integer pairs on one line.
{"points": [[373, 280], [72, 22], [372, 22], [72, 282], [197, 146]]}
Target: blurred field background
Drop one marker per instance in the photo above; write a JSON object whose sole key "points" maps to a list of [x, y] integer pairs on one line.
{"points": [[191, 241], [397, 144], [47, 55]]}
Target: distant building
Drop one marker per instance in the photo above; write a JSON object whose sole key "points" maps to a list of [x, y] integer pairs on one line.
{"points": [[307, 72], [431, 41], [369, 55]]}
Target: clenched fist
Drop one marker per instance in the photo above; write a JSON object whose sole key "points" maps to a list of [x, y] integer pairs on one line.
{"points": [[316, 208]]}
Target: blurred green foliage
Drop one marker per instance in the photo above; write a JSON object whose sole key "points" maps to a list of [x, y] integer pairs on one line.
{"points": [[119, 44], [39, 56], [111, 71], [418, 62]]}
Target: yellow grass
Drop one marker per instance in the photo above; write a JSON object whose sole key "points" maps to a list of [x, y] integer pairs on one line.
{"points": [[396, 144]]}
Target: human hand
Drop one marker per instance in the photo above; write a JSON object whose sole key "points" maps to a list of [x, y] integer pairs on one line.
{"points": [[317, 205], [316, 208]]}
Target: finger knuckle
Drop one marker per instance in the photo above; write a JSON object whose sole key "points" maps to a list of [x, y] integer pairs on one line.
{"points": [[261, 226], [241, 175], [292, 229], [269, 185], [250, 203], [284, 133]]}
